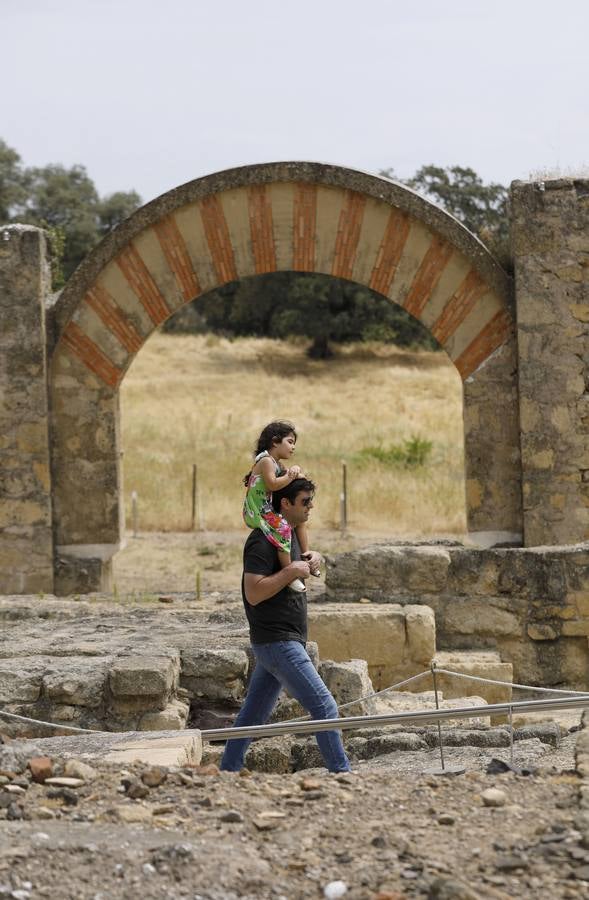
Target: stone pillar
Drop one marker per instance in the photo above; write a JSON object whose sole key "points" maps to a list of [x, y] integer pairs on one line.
{"points": [[88, 511], [550, 238], [492, 451], [26, 542]]}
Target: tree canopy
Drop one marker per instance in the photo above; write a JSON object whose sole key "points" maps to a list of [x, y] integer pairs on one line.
{"points": [[65, 202]]}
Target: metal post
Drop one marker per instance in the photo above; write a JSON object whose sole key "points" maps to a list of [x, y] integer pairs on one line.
{"points": [[444, 770], [134, 512], [343, 504], [511, 735], [433, 668], [194, 483]]}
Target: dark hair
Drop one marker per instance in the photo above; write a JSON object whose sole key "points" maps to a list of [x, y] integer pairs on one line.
{"points": [[272, 434], [291, 491]]}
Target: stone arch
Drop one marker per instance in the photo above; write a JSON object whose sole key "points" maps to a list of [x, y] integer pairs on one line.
{"points": [[304, 217]]}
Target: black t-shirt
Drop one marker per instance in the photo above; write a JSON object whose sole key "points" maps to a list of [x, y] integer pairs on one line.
{"points": [[284, 616]]}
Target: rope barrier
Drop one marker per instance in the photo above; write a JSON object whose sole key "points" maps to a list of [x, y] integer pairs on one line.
{"points": [[421, 715], [512, 684]]}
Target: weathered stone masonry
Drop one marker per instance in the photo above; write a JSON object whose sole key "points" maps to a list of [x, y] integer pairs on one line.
{"points": [[26, 534], [518, 356], [551, 246]]}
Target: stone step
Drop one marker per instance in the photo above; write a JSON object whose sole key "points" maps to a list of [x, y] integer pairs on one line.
{"points": [[483, 664]]}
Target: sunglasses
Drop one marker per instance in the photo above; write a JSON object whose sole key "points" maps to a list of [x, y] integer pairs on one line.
{"points": [[307, 501]]}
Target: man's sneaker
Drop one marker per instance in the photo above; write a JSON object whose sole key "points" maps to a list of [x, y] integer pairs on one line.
{"points": [[298, 586]]}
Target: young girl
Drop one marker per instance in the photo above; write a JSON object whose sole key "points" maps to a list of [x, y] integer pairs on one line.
{"points": [[275, 444]]}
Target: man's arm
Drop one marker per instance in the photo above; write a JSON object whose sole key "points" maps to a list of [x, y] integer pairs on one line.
{"points": [[258, 588]]}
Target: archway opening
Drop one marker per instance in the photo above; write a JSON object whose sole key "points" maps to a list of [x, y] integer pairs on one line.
{"points": [[386, 404]]}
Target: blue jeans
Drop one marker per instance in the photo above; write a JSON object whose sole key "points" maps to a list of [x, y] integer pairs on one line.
{"points": [[286, 664]]}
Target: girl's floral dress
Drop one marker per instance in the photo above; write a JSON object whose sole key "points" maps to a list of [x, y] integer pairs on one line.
{"points": [[258, 511]]}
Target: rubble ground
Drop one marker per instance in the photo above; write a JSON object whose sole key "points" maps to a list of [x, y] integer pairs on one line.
{"points": [[389, 831]]}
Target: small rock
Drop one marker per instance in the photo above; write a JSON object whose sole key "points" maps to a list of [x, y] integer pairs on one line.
{"points": [[14, 812], [136, 790], [14, 789], [232, 815], [494, 797], [132, 813], [166, 598], [451, 889], [44, 812], [62, 781], [508, 863], [310, 784], [41, 768], [265, 824], [154, 776], [69, 797], [335, 889], [209, 769], [582, 873], [446, 819], [75, 768]]}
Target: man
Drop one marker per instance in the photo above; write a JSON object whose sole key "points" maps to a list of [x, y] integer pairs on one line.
{"points": [[277, 619]]}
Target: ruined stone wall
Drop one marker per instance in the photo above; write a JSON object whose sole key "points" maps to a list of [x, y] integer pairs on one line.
{"points": [[530, 606], [550, 234], [26, 543]]}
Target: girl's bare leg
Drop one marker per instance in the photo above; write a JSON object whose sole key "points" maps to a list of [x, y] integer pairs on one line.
{"points": [[284, 560]]}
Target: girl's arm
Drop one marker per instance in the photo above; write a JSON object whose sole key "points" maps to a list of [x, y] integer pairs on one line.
{"points": [[310, 556], [303, 538], [271, 480]]}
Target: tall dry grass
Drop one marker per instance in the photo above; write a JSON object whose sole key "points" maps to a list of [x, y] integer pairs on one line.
{"points": [[202, 399]]}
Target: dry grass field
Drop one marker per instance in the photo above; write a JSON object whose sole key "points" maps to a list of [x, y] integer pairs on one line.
{"points": [[202, 399]]}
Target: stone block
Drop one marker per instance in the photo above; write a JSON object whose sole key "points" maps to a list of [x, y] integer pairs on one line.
{"points": [[575, 628], [155, 749], [172, 718], [482, 664], [387, 569], [348, 681], [542, 631], [489, 616], [143, 676], [21, 679], [420, 626], [350, 631], [75, 682], [216, 674]]}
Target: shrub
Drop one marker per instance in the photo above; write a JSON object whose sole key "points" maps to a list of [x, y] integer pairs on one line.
{"points": [[410, 454]]}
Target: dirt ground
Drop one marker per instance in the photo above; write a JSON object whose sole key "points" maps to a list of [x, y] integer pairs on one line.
{"points": [[155, 562], [388, 832]]}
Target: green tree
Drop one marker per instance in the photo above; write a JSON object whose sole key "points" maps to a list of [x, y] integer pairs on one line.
{"points": [[12, 186], [283, 304], [63, 201], [115, 208]]}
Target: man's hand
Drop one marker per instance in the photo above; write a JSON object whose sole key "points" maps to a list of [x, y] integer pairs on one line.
{"points": [[299, 569], [314, 560]]}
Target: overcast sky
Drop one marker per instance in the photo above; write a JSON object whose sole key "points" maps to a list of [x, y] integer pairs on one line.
{"points": [[148, 94]]}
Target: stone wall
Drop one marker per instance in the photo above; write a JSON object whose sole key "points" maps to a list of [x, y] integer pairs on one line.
{"points": [[532, 606], [26, 542], [550, 234]]}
